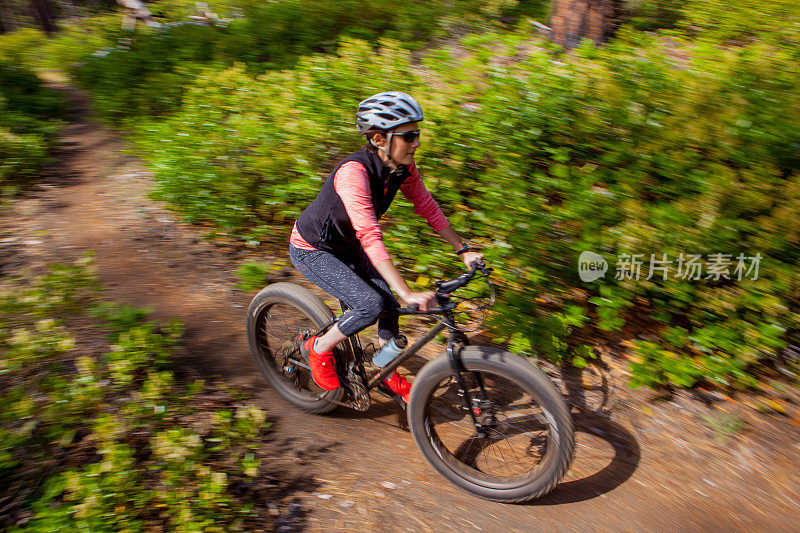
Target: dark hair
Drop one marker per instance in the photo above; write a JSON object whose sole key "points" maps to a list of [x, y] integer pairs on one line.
{"points": [[370, 133]]}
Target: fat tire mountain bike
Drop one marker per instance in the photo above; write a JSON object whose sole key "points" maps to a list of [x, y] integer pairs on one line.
{"points": [[489, 421]]}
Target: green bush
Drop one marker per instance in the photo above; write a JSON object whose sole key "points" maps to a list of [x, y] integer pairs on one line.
{"points": [[20, 46], [653, 14], [245, 149], [642, 147], [621, 150], [21, 156], [24, 96], [28, 124], [100, 442], [719, 21], [74, 41], [149, 77], [774, 22]]}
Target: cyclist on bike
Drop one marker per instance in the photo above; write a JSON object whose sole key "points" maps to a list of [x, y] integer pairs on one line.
{"points": [[338, 245]]}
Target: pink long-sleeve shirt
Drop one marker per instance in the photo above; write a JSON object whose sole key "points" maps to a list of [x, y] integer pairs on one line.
{"points": [[351, 183]]}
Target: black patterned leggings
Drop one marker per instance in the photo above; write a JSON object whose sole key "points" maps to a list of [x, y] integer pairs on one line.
{"points": [[357, 283]]}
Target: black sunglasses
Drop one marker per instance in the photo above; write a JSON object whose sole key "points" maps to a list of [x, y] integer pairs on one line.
{"points": [[408, 136]]}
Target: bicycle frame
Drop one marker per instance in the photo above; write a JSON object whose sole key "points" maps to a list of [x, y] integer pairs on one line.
{"points": [[408, 352], [456, 338]]}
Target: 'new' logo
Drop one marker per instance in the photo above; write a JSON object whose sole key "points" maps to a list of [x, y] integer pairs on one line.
{"points": [[591, 266]]}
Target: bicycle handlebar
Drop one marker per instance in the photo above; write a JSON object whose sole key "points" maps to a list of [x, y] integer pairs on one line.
{"points": [[447, 287], [444, 288]]}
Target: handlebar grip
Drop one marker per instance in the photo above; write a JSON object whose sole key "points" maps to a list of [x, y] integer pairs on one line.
{"points": [[478, 264]]}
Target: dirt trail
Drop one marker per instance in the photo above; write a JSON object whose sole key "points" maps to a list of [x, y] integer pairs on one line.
{"points": [[640, 467]]}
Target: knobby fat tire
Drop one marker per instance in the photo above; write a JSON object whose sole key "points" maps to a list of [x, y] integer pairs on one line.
{"points": [[521, 373], [317, 312]]}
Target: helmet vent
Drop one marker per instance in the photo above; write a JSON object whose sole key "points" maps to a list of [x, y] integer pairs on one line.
{"points": [[387, 110]]}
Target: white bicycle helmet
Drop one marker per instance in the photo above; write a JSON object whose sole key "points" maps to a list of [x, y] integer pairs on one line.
{"points": [[386, 111]]}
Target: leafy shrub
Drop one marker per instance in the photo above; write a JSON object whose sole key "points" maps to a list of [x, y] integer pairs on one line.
{"points": [[653, 14], [20, 158], [644, 146], [149, 77], [74, 41], [18, 47], [110, 442], [24, 93], [236, 139], [28, 123], [774, 22], [619, 151], [253, 276]]}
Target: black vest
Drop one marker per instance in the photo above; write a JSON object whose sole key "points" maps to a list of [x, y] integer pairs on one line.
{"points": [[325, 225]]}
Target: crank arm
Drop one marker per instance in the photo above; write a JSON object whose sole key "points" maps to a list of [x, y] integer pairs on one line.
{"points": [[295, 362]]}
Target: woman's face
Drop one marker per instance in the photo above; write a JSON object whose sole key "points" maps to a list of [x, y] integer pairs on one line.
{"points": [[403, 151]]}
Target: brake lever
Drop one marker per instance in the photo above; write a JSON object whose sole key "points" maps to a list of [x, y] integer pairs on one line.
{"points": [[478, 264]]}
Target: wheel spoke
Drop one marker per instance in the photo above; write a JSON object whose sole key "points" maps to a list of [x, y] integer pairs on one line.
{"points": [[278, 329], [517, 433]]}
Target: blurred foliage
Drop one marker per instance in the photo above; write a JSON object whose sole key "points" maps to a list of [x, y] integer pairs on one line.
{"points": [[649, 145], [101, 442], [149, 76], [253, 276], [653, 14], [720, 21], [724, 426], [28, 123], [75, 40], [737, 23], [680, 139], [237, 138]]}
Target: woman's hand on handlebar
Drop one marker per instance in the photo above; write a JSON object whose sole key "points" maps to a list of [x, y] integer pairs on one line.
{"points": [[471, 257], [425, 300]]}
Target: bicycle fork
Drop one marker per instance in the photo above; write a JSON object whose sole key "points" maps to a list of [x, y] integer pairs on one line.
{"points": [[455, 342]]}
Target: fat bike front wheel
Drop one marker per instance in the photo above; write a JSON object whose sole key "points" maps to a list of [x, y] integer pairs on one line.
{"points": [[524, 440]]}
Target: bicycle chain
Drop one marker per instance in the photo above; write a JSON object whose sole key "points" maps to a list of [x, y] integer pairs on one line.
{"points": [[363, 405], [362, 402]]}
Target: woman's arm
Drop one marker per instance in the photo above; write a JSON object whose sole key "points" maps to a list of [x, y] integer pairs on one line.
{"points": [[426, 300], [352, 185], [449, 235], [424, 205]]}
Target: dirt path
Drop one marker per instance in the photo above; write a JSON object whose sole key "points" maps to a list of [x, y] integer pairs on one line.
{"points": [[640, 466]]}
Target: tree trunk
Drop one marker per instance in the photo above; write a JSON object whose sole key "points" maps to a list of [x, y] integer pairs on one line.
{"points": [[8, 21], [573, 20], [43, 15]]}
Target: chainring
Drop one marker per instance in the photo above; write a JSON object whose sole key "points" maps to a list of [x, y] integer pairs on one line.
{"points": [[360, 400]]}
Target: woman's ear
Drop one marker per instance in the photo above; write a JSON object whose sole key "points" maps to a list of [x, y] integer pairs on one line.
{"points": [[379, 139]]}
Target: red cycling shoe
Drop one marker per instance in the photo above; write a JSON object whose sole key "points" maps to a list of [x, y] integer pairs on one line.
{"points": [[398, 385], [323, 365]]}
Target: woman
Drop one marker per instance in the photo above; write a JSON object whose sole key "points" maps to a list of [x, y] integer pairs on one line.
{"points": [[337, 242]]}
